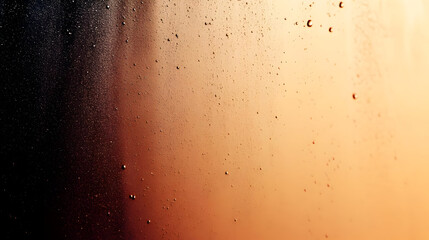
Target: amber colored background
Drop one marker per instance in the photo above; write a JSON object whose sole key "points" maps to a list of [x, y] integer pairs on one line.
{"points": [[323, 134], [268, 99]]}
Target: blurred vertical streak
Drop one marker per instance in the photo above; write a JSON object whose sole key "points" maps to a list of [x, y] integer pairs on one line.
{"points": [[61, 169]]}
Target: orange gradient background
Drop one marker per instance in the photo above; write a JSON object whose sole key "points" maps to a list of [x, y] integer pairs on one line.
{"points": [[206, 87]]}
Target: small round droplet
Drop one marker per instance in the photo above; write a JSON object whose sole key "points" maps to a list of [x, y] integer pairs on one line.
{"points": [[354, 96], [123, 23], [235, 219], [148, 221], [309, 23], [107, 6], [124, 166], [177, 67], [330, 29], [226, 173], [341, 5], [133, 197]]}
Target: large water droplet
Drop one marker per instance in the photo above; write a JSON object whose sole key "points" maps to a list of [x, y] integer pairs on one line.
{"points": [[309, 23], [341, 5]]}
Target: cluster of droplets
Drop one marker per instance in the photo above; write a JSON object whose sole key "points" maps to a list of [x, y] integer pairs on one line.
{"points": [[310, 22], [133, 196]]}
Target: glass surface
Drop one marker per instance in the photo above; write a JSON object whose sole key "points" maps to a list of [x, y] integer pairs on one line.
{"points": [[216, 119]]}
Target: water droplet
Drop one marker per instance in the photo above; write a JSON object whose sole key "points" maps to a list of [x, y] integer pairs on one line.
{"points": [[309, 23], [354, 96], [330, 29], [107, 6], [235, 219], [108, 213], [341, 5], [133, 197], [123, 23], [123, 167], [226, 173], [177, 67], [148, 221]]}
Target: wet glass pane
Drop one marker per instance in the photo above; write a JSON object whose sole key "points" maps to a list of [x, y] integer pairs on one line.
{"points": [[267, 119]]}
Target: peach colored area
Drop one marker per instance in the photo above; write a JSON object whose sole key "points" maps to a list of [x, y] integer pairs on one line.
{"points": [[323, 134]]}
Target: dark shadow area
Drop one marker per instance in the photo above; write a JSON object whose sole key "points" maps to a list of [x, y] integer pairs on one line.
{"points": [[60, 167]]}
